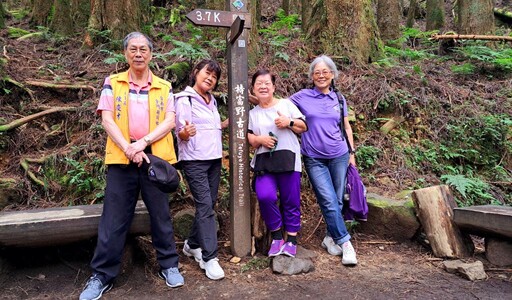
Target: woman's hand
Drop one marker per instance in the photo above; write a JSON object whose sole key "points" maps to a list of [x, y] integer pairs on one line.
{"points": [[188, 130], [282, 121], [268, 141]]}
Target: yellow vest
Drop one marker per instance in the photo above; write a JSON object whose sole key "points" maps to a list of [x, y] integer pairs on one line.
{"points": [[158, 95]]}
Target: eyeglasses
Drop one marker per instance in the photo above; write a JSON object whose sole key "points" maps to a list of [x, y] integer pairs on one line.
{"points": [[262, 83], [325, 73]]}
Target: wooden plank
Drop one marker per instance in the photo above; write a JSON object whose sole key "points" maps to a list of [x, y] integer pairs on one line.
{"points": [[485, 220], [434, 206], [54, 226], [218, 18]]}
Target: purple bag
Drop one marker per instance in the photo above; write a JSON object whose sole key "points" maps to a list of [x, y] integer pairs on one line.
{"points": [[357, 207]]}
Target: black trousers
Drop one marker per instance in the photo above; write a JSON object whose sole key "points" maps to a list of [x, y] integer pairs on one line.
{"points": [[124, 184], [203, 177]]}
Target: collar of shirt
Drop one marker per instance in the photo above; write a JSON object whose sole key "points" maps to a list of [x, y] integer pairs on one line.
{"points": [[146, 87]]}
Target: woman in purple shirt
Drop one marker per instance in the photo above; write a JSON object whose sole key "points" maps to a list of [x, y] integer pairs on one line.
{"points": [[199, 132], [326, 154]]}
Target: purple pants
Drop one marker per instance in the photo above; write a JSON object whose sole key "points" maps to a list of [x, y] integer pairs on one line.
{"points": [[288, 185]]}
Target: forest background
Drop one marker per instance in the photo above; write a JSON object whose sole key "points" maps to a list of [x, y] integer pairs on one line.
{"points": [[424, 111]]}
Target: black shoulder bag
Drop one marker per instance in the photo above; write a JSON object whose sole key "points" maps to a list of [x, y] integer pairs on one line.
{"points": [[342, 112]]}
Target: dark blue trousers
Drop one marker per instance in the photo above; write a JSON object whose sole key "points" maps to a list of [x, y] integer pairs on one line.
{"points": [[124, 184], [203, 177]]}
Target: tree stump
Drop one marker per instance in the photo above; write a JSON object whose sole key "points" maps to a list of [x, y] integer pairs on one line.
{"points": [[434, 207]]}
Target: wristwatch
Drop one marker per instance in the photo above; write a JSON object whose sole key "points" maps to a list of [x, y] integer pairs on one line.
{"points": [[291, 123], [147, 140]]}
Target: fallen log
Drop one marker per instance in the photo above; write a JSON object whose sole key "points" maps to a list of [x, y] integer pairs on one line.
{"points": [[434, 207], [19, 122], [503, 13], [471, 37], [54, 226]]}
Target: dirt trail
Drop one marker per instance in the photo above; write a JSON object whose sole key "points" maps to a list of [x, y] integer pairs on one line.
{"points": [[385, 271]]}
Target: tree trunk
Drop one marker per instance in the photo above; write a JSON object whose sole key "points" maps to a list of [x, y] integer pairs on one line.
{"points": [[411, 14], [476, 17], [2, 16], [40, 12], [253, 50], [70, 16], [434, 207], [286, 7], [388, 19], [306, 12], [119, 16], [435, 15], [345, 28]]}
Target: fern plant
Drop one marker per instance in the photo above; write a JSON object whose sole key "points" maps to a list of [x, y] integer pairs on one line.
{"points": [[473, 190]]}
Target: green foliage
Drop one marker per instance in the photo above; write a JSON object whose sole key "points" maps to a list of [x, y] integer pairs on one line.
{"points": [[480, 140], [464, 69], [473, 190], [114, 57], [256, 263], [500, 58], [14, 32], [82, 175], [280, 32], [397, 98], [177, 15], [19, 14], [367, 157], [191, 51]]}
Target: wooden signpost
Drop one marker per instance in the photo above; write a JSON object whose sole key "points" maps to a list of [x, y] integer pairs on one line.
{"points": [[237, 19]]}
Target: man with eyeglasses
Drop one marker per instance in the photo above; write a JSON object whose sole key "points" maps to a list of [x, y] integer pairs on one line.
{"points": [[137, 112]]}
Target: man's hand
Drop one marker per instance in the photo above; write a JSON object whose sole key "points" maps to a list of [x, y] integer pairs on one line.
{"points": [[135, 148]]}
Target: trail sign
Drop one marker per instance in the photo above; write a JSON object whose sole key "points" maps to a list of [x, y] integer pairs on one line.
{"points": [[217, 18], [237, 20]]}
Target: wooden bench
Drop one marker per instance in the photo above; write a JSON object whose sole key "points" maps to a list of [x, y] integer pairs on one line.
{"points": [[55, 226], [492, 222]]}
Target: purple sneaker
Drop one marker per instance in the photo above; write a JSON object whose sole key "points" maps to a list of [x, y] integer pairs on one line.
{"points": [[275, 248], [289, 249]]}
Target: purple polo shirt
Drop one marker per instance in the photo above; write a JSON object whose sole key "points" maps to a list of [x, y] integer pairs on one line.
{"points": [[324, 138]]}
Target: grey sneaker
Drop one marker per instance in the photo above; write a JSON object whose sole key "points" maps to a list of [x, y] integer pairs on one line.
{"points": [[329, 244], [172, 277], [196, 253], [94, 289], [349, 254]]}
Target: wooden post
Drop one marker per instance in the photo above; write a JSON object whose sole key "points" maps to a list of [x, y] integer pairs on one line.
{"points": [[237, 19], [238, 146], [434, 206]]}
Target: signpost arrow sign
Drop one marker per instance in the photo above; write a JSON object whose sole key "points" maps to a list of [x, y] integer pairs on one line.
{"points": [[217, 18]]}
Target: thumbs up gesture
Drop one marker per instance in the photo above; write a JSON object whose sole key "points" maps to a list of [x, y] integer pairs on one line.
{"points": [[281, 121], [187, 131], [190, 128]]}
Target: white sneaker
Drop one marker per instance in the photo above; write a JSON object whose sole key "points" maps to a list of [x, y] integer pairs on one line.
{"points": [[331, 246], [196, 253], [212, 269], [349, 254]]}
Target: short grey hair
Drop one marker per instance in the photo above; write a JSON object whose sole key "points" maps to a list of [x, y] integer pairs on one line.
{"points": [[328, 61], [136, 34]]}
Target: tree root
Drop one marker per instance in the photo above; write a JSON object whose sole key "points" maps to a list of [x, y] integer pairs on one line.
{"points": [[21, 86], [60, 85], [24, 162], [19, 122]]}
